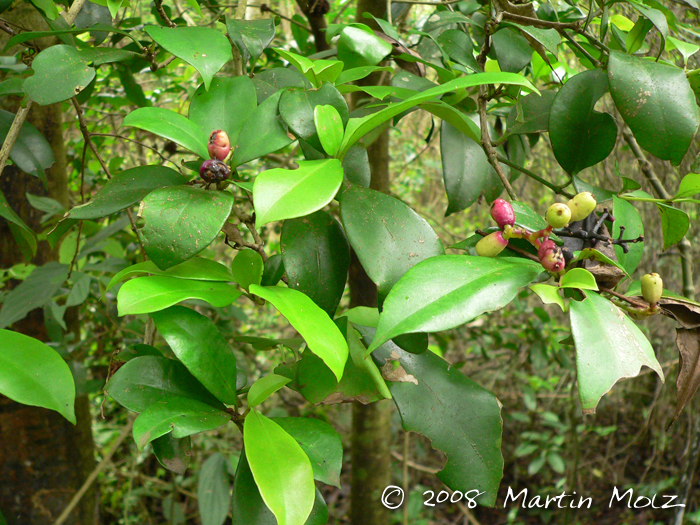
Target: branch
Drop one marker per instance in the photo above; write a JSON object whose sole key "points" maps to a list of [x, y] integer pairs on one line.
{"points": [[314, 11], [536, 22], [162, 14], [556, 189], [264, 8], [13, 133]]}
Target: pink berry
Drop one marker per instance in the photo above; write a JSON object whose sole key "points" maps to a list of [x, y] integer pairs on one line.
{"points": [[546, 246], [214, 171], [502, 212], [553, 260], [219, 145], [491, 245]]}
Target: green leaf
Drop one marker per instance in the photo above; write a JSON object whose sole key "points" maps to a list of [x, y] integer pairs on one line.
{"points": [[34, 292], [531, 114], [674, 224], [454, 117], [450, 290], [466, 170], [247, 268], [179, 415], [573, 122], [197, 343], [281, 469], [460, 418], [686, 49], [23, 235], [548, 294], [262, 133], [549, 38], [313, 324], [213, 490], [126, 189], [512, 50], [227, 105], [48, 7], [578, 278], [655, 16], [330, 128], [34, 374], [280, 194], [316, 258], [145, 380], [206, 49], [170, 125], [273, 270], [264, 388], [356, 128], [609, 347], [181, 221], [251, 37], [656, 102], [31, 152], [144, 295], [635, 38], [197, 269], [173, 454], [320, 442], [60, 72], [689, 186], [359, 47], [376, 223], [460, 48], [626, 215]]}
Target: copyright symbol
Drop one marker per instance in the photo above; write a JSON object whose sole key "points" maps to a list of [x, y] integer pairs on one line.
{"points": [[390, 491]]}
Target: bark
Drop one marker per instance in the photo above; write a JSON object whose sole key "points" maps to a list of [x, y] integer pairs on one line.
{"points": [[371, 424], [44, 459], [314, 11]]}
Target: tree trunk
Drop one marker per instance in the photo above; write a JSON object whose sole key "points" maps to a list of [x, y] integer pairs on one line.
{"points": [[44, 459], [371, 424]]}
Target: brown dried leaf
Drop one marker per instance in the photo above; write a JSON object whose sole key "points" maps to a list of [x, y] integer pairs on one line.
{"points": [[688, 341]]}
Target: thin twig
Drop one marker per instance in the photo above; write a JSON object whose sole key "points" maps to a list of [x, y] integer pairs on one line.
{"points": [[264, 8], [536, 22], [624, 298], [13, 133], [142, 144], [593, 60], [162, 14], [72, 13], [556, 189]]}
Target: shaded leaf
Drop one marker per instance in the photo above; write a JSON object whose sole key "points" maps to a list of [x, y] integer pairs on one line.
{"points": [[60, 72], [213, 490], [688, 342], [31, 152]]}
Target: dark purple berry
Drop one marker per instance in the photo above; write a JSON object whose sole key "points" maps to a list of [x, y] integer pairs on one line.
{"points": [[214, 171]]}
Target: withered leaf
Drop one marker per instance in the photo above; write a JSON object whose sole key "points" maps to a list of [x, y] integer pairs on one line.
{"points": [[688, 341]]}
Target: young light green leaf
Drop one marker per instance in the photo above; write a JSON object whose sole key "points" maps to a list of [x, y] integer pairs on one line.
{"points": [[330, 128], [548, 294], [280, 194], [281, 469], [689, 186], [674, 224], [264, 388], [578, 278], [150, 294], [33, 373], [320, 333], [197, 269]]}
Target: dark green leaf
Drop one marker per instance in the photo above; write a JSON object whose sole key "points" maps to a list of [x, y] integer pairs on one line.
{"points": [[459, 47], [31, 152], [531, 114], [60, 72], [512, 50], [358, 47], [197, 268], [20, 231], [251, 36], [356, 166], [173, 454], [316, 258], [273, 271]]}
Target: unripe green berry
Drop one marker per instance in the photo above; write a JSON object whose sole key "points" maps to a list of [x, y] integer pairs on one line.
{"points": [[558, 215], [652, 288], [491, 245], [581, 206]]}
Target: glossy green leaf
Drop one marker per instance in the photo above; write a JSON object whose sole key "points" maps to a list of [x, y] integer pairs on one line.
{"points": [[573, 122], [450, 290], [197, 343], [60, 72], [126, 189], [626, 215], [359, 47], [180, 415], [281, 469], [34, 374], [181, 221], [548, 38], [578, 278], [172, 126], [34, 292], [329, 126], [146, 380], [280, 194], [313, 324], [358, 354], [247, 268], [270, 81], [144, 295], [213, 490], [358, 73], [460, 418], [206, 49], [264, 388], [466, 170], [316, 258], [31, 152], [674, 224], [527, 217], [376, 223], [320, 442], [548, 294], [273, 270], [227, 105], [249, 507], [459, 46], [173, 454], [655, 16], [689, 186], [251, 37], [23, 235], [356, 128], [356, 167], [635, 37], [262, 133], [656, 102], [531, 114], [609, 347], [197, 268], [455, 117], [512, 50]]}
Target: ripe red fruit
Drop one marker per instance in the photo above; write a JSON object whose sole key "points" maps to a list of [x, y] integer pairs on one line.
{"points": [[491, 245], [219, 145], [502, 212], [553, 260], [214, 171], [546, 246]]}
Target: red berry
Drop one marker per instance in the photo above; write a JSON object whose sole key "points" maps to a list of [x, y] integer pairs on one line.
{"points": [[546, 246], [219, 145], [553, 260], [214, 171], [502, 212]]}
